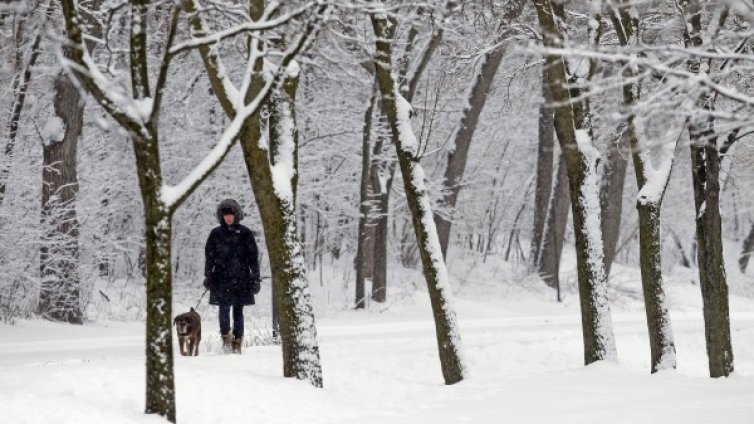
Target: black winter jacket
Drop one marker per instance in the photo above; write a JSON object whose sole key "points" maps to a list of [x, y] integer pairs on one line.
{"points": [[231, 262]]}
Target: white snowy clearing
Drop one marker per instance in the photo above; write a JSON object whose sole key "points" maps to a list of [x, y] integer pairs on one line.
{"points": [[523, 351]]}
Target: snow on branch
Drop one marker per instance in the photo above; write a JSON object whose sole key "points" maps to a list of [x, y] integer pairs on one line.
{"points": [[172, 196], [245, 27], [701, 79]]}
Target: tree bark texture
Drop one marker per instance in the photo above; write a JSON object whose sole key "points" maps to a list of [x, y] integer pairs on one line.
{"points": [[543, 188], [60, 294], [417, 196], [278, 216], [705, 170], [365, 243], [661, 343], [574, 130], [382, 183]]}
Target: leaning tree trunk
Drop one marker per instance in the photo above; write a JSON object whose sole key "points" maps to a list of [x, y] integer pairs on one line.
{"points": [[274, 198], [477, 97], [397, 111], [705, 170], [555, 229], [652, 184], [543, 187], [60, 293], [574, 130], [746, 250]]}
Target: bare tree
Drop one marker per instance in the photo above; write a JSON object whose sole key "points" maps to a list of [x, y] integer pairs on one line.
{"points": [[397, 111], [705, 162], [138, 113], [652, 184], [272, 170], [575, 133]]}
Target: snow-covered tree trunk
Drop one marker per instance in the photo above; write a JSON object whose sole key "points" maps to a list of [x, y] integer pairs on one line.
{"points": [[60, 293], [397, 111], [705, 167], [575, 134], [543, 185], [271, 165], [652, 184], [555, 228], [275, 197], [138, 113]]}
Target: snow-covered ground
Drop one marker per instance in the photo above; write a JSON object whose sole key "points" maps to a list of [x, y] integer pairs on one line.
{"points": [[380, 366]]}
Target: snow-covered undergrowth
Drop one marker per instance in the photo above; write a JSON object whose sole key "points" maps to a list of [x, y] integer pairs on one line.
{"points": [[524, 354]]}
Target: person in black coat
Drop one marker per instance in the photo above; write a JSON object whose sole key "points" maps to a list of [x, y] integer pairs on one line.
{"points": [[231, 271]]}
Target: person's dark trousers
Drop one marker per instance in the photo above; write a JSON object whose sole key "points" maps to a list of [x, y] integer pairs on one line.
{"points": [[237, 319]]}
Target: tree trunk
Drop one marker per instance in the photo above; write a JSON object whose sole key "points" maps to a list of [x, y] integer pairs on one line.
{"points": [[705, 163], [275, 198], [477, 97], [555, 229], [543, 188], [611, 200], [574, 130], [278, 214], [652, 185], [746, 251], [60, 294], [365, 244], [382, 183], [397, 113]]}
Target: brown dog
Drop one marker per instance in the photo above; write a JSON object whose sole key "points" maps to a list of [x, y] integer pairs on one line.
{"points": [[188, 326]]}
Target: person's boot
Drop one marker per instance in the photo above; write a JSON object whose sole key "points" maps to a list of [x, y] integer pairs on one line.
{"points": [[228, 343], [237, 343]]}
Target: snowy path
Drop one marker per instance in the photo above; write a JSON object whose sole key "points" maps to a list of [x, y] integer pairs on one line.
{"points": [[381, 369]]}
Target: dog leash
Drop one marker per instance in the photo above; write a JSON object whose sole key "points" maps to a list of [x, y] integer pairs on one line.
{"points": [[200, 299]]}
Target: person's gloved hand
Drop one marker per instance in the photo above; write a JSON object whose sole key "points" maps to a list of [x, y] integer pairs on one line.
{"points": [[255, 285], [207, 282]]}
